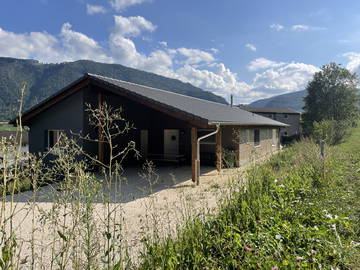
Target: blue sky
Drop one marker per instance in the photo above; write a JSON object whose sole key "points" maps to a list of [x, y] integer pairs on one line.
{"points": [[252, 49]]}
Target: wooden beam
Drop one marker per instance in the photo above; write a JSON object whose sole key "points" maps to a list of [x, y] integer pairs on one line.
{"points": [[100, 133], [194, 174], [218, 150]]}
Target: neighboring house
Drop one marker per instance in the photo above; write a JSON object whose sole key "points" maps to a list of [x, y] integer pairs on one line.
{"points": [[168, 125], [287, 116]]}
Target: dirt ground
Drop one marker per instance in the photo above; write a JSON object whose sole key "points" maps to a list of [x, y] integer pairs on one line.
{"points": [[144, 209]]}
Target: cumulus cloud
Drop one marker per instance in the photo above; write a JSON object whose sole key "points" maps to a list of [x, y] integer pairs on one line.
{"points": [[39, 45], [69, 45], [251, 47], [262, 63], [94, 9], [79, 46], [219, 80], [286, 77], [195, 56], [120, 5], [277, 27], [196, 66], [354, 61], [131, 26], [303, 28], [214, 50], [163, 43]]}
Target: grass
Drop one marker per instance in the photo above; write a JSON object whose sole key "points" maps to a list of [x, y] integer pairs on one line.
{"points": [[7, 128], [297, 211]]}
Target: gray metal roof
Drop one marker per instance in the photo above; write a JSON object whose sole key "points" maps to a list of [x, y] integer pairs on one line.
{"points": [[213, 112], [267, 110]]}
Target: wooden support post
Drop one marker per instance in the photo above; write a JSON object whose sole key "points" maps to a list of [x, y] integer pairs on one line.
{"points": [[218, 151], [194, 167], [100, 132]]}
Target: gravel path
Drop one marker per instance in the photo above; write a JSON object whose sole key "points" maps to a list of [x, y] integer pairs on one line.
{"points": [[142, 210]]}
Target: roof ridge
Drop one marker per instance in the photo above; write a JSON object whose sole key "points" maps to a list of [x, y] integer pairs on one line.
{"points": [[158, 89]]}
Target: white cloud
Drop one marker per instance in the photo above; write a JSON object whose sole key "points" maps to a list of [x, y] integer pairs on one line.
{"points": [[39, 45], [195, 56], [303, 28], [354, 61], [79, 46], [120, 5], [277, 27], [192, 65], [94, 9], [262, 63], [67, 46], [221, 80], [251, 47], [286, 77], [131, 26], [163, 43], [214, 50]]}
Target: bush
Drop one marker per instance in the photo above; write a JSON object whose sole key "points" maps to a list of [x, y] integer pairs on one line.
{"points": [[332, 131]]}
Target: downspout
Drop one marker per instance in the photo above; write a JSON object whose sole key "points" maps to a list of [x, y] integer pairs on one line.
{"points": [[198, 151]]}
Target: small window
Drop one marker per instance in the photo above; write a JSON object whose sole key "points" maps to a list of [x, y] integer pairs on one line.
{"points": [[54, 137], [256, 137], [243, 136], [274, 137]]}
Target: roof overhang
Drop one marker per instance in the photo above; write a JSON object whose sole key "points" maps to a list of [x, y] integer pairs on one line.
{"points": [[224, 123]]}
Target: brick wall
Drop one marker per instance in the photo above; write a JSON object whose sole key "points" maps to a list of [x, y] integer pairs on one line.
{"points": [[241, 139]]}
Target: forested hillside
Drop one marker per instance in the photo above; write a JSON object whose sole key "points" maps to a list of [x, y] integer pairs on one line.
{"points": [[294, 101], [42, 80]]}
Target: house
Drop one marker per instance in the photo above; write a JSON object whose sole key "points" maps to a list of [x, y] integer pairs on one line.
{"points": [[287, 116], [169, 126]]}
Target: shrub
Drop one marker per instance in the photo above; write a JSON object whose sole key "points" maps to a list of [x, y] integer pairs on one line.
{"points": [[332, 131]]}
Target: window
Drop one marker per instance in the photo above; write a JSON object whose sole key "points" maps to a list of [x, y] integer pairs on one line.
{"points": [[54, 137], [243, 136], [274, 137], [256, 137]]}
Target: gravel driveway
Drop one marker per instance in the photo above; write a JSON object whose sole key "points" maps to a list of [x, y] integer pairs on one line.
{"points": [[169, 202]]}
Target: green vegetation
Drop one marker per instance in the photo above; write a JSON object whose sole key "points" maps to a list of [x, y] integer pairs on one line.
{"points": [[296, 211], [7, 128], [332, 103], [43, 80]]}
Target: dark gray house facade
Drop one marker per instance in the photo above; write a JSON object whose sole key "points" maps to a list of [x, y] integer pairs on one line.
{"points": [[284, 115], [168, 126]]}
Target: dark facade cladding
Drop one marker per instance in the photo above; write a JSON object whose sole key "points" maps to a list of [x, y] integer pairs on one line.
{"points": [[283, 115]]}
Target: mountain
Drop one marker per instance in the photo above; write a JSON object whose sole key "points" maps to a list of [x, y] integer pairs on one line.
{"points": [[293, 101], [42, 80]]}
